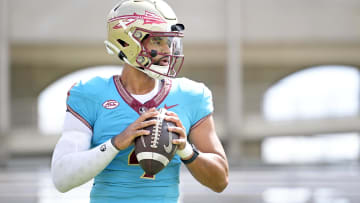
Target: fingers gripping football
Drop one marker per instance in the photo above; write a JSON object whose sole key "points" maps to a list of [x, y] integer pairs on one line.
{"points": [[179, 128], [137, 128], [156, 150]]}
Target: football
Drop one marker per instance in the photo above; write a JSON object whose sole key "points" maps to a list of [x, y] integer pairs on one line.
{"points": [[156, 150]]}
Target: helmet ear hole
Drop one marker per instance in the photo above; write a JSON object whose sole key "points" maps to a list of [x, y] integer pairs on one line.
{"points": [[145, 37], [122, 43]]}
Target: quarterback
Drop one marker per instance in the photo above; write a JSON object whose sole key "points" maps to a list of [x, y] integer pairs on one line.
{"points": [[105, 115]]}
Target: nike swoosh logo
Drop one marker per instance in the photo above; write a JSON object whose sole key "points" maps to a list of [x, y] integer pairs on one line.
{"points": [[168, 148], [169, 107], [143, 141]]}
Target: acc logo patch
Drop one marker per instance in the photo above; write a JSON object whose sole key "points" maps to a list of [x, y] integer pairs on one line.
{"points": [[110, 104]]}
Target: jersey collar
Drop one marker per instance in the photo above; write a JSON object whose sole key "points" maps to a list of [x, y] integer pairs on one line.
{"points": [[135, 104]]}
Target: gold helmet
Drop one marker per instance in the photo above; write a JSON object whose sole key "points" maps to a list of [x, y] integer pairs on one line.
{"points": [[130, 22]]}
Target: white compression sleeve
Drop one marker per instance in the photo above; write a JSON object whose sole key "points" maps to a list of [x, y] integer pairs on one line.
{"points": [[73, 162]]}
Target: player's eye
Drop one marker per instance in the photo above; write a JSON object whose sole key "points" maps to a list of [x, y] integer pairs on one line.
{"points": [[156, 40], [161, 41]]}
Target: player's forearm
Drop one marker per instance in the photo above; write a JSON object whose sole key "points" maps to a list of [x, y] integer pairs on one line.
{"points": [[73, 169], [210, 170]]}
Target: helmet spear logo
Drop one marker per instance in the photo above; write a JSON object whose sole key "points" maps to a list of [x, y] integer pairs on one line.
{"points": [[148, 18]]}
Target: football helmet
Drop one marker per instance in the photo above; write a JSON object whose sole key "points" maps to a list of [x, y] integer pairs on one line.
{"points": [[132, 22]]}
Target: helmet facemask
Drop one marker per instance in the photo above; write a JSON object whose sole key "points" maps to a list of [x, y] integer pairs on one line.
{"points": [[161, 52]]}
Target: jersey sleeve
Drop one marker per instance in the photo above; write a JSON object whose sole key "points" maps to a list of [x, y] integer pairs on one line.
{"points": [[204, 107], [82, 105]]}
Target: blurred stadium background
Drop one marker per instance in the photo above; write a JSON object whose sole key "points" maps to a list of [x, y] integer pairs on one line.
{"points": [[284, 75]]}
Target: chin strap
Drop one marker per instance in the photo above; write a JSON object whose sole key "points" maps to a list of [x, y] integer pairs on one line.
{"points": [[110, 48], [113, 50]]}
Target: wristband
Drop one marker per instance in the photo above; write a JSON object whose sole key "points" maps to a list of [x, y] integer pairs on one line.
{"points": [[193, 157], [186, 152]]}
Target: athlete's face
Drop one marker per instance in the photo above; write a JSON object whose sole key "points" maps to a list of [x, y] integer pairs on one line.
{"points": [[160, 46]]}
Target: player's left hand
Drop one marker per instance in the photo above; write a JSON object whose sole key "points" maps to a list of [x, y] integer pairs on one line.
{"points": [[180, 129]]}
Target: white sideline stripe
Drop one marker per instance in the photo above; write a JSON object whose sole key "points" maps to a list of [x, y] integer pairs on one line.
{"points": [[152, 155]]}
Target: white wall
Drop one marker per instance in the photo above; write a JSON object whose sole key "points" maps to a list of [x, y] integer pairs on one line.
{"points": [[301, 20], [263, 20]]}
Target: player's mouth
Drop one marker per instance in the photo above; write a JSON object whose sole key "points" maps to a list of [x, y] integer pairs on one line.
{"points": [[163, 61]]}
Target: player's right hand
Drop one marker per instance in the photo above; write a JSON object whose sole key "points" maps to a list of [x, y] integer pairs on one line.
{"points": [[126, 138]]}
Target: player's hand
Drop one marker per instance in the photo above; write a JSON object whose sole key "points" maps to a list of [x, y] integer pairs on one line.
{"points": [[126, 138], [180, 129]]}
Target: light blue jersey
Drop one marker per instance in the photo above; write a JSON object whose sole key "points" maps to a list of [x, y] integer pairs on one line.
{"points": [[107, 109]]}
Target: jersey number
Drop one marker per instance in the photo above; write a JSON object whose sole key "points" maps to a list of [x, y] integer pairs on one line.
{"points": [[132, 161]]}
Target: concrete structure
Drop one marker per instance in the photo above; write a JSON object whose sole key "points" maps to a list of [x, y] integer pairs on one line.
{"points": [[278, 37], [4, 82]]}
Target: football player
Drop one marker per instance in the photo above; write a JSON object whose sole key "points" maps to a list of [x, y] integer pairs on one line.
{"points": [[105, 115]]}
